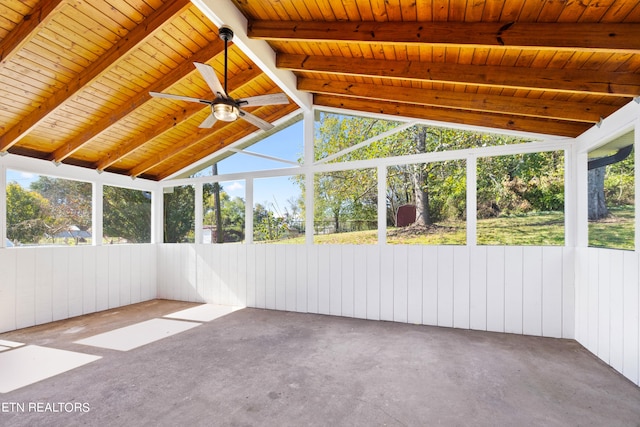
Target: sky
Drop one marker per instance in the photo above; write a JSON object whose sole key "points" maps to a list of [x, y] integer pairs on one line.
{"points": [[286, 144]]}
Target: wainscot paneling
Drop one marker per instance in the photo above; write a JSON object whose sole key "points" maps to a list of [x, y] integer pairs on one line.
{"points": [[44, 284], [523, 290], [606, 310]]}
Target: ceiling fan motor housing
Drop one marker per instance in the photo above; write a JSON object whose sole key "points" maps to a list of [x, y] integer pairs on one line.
{"points": [[226, 33]]}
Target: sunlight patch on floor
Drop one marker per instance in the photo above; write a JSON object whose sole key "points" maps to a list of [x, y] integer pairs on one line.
{"points": [[27, 365], [204, 312], [137, 335]]}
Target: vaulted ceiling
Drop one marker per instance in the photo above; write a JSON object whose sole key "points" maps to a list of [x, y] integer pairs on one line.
{"points": [[75, 75]]}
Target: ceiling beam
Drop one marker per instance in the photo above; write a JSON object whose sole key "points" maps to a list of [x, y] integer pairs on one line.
{"points": [[139, 34], [544, 108], [473, 118], [215, 142], [103, 125], [28, 27], [562, 80], [225, 12], [618, 37], [237, 81]]}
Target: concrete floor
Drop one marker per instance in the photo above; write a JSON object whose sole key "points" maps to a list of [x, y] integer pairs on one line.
{"points": [[260, 367]]}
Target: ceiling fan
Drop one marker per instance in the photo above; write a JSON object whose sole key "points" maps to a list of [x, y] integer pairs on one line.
{"points": [[224, 107]]}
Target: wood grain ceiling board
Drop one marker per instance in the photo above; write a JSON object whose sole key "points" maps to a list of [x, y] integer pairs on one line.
{"points": [[75, 75]]}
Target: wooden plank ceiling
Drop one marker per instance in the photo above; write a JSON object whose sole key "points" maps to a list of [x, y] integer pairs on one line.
{"points": [[75, 75]]}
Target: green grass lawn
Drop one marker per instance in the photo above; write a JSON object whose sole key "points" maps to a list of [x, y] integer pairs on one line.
{"points": [[616, 231], [536, 229]]}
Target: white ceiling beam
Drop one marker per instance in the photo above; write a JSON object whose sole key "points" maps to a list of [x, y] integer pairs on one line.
{"points": [[223, 12]]}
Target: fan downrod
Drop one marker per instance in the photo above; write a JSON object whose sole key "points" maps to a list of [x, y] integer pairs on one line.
{"points": [[226, 33]]}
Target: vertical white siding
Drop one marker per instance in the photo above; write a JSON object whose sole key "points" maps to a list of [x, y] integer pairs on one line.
{"points": [[504, 289], [607, 305], [44, 284]]}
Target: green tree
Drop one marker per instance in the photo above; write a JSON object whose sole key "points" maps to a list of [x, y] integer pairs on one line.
{"points": [[179, 216], [26, 214], [69, 203], [231, 219], [127, 214]]}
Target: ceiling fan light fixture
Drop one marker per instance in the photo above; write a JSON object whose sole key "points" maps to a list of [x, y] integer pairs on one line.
{"points": [[225, 112]]}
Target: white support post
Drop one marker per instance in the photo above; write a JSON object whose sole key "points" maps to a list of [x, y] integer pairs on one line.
{"points": [[308, 144], [582, 200], [157, 216], [198, 217], [472, 200], [248, 212], [636, 162], [97, 213], [3, 206], [570, 196], [382, 205]]}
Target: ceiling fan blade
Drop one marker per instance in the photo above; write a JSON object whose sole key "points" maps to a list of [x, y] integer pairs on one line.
{"points": [[209, 75], [255, 120], [208, 122], [271, 99], [178, 97]]}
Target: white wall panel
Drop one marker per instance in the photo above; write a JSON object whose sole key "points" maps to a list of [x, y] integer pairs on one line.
{"points": [[604, 307], [445, 286], [270, 277], [291, 278], [280, 267], [552, 266], [324, 279], [616, 301], [400, 284], [8, 267], [461, 287], [360, 283], [414, 284], [607, 307], [135, 274], [592, 301], [312, 278], [347, 280], [89, 272], [74, 282], [513, 282], [44, 294], [516, 290], [430, 285], [532, 291], [44, 284], [568, 293], [301, 283], [478, 288], [102, 278], [631, 318], [335, 280], [124, 266], [251, 275], [114, 276], [386, 282], [495, 288], [260, 275], [241, 266], [59, 282], [373, 282]]}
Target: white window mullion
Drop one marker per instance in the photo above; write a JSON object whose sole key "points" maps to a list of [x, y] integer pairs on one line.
{"points": [[472, 200], [199, 220], [248, 212], [382, 205], [97, 213]]}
